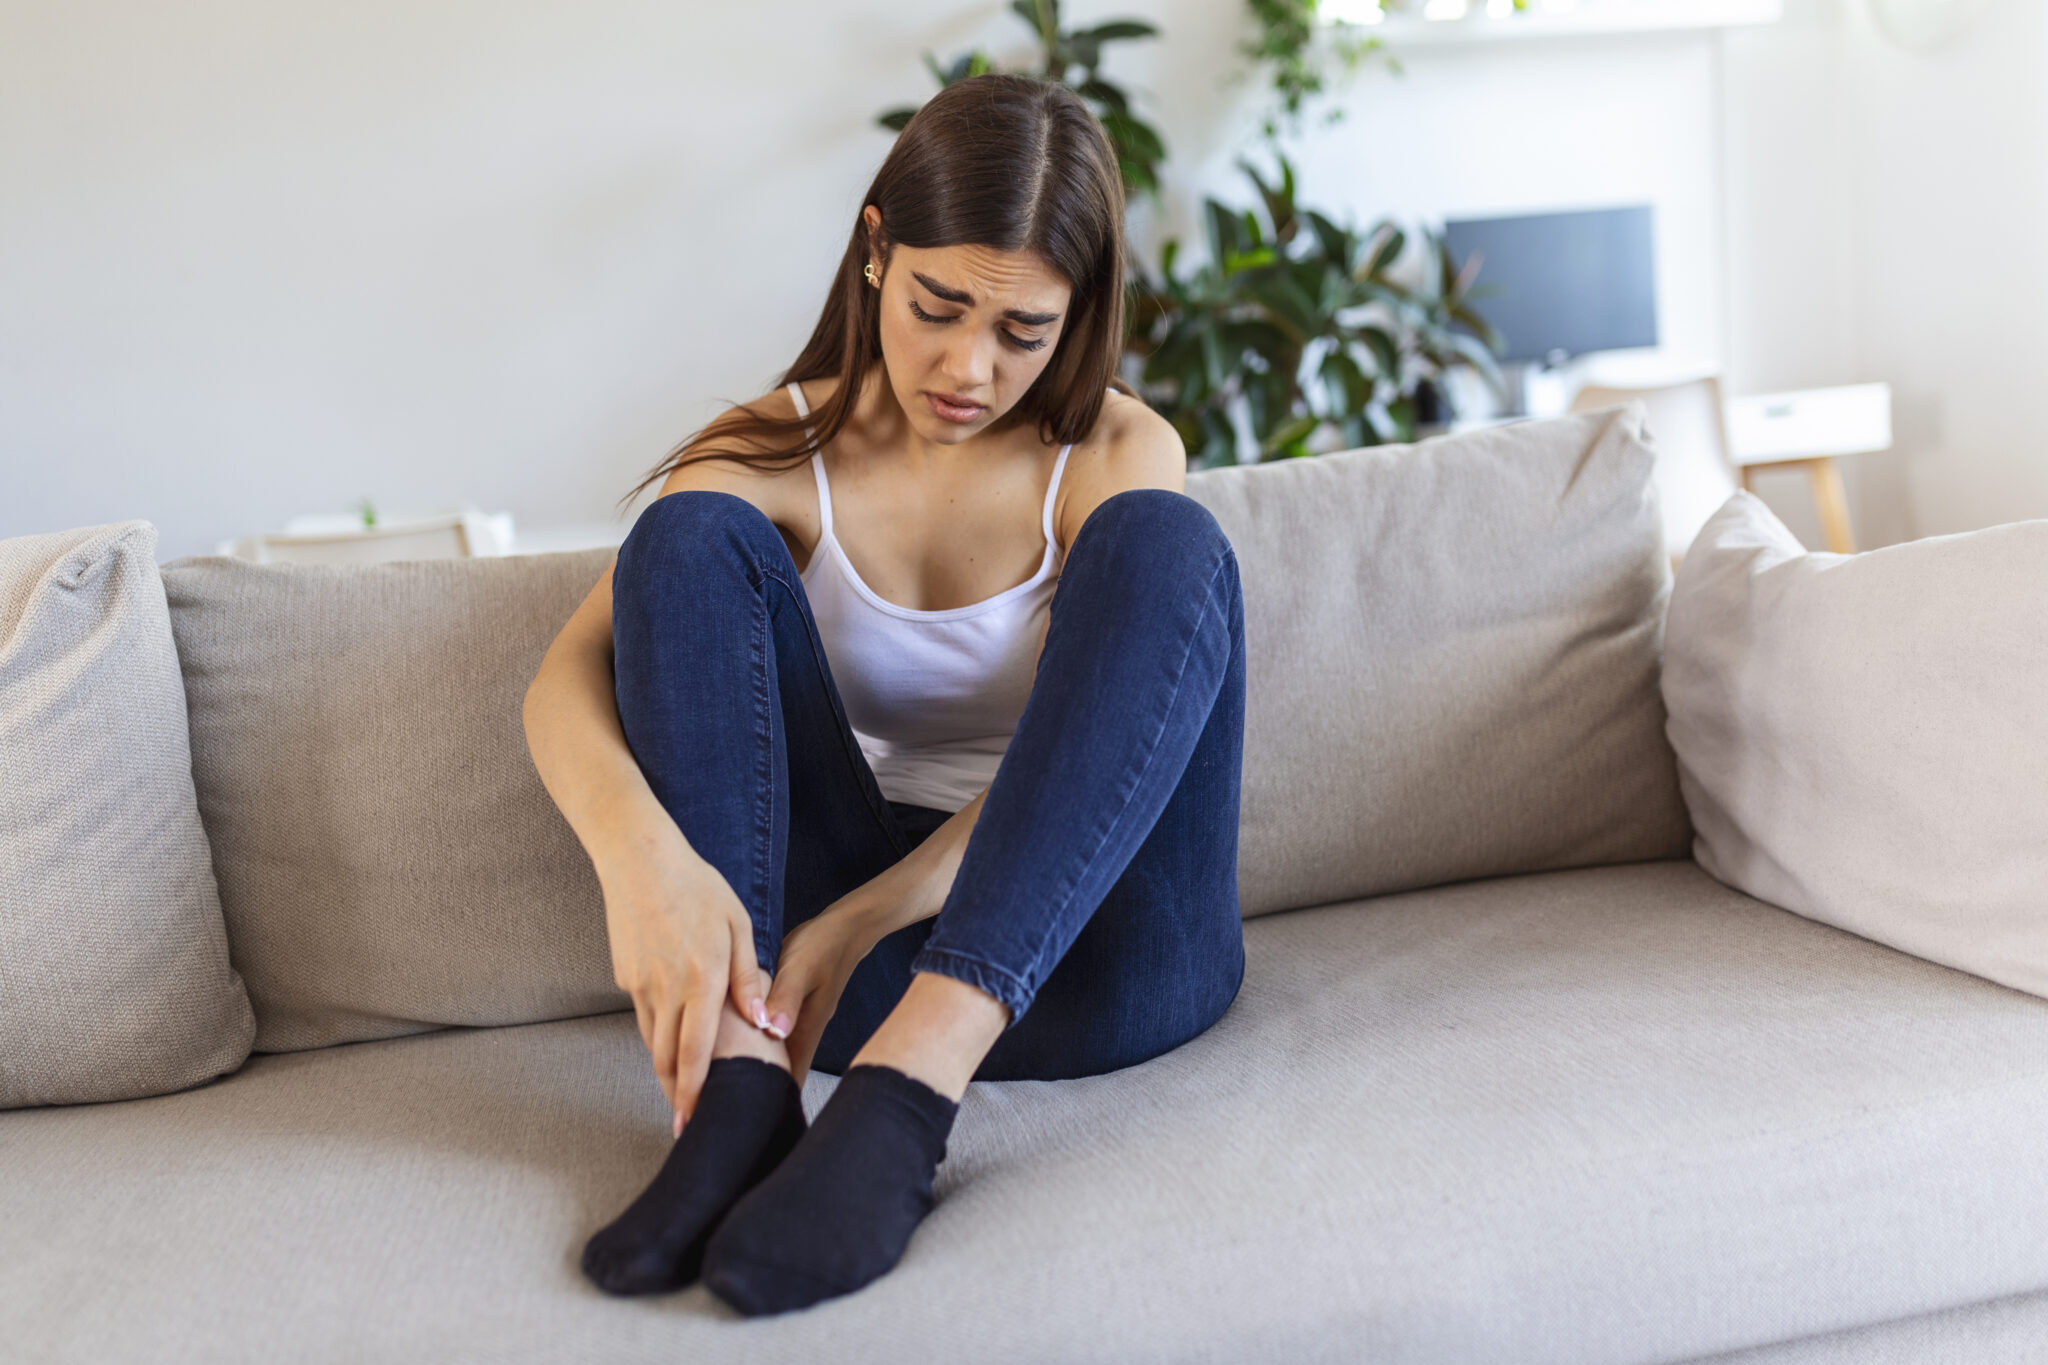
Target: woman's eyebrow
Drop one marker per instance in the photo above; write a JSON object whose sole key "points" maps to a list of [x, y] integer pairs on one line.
{"points": [[961, 296]]}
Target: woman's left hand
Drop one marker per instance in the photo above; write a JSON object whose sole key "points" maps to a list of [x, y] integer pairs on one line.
{"points": [[817, 958]]}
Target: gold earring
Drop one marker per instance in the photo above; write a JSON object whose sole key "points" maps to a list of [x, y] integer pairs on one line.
{"points": [[873, 279]]}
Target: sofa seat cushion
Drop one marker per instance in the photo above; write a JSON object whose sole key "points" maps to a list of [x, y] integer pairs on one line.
{"points": [[1609, 1114]]}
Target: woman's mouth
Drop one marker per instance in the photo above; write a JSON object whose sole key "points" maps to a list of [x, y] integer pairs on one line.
{"points": [[954, 408]]}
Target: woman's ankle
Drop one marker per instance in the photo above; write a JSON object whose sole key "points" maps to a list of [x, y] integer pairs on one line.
{"points": [[938, 1033], [739, 1037]]}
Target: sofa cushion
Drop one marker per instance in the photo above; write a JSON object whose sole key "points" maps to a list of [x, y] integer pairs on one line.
{"points": [[389, 861], [114, 972], [1618, 1114], [1451, 660], [1864, 738], [1451, 672]]}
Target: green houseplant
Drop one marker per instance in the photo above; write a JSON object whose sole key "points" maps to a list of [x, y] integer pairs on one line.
{"points": [[1301, 329], [1072, 57], [1301, 333]]}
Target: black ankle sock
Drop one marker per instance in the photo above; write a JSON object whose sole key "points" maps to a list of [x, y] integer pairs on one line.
{"points": [[839, 1212], [748, 1116]]}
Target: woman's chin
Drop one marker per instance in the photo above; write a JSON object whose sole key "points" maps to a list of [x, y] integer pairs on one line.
{"points": [[941, 430]]}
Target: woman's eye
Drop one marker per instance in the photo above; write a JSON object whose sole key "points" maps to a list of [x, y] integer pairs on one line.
{"points": [[1019, 342]]}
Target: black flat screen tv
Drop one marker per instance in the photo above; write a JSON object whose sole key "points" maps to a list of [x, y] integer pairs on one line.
{"points": [[1562, 284]]}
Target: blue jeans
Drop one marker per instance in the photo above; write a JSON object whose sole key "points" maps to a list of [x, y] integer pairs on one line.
{"points": [[1097, 894]]}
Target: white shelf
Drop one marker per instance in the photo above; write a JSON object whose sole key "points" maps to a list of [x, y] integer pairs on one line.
{"points": [[1587, 17]]}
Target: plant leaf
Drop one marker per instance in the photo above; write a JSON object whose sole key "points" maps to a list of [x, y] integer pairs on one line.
{"points": [[1103, 92], [1389, 242], [1122, 28]]}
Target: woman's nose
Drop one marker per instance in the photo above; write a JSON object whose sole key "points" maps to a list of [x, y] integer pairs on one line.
{"points": [[970, 366]]}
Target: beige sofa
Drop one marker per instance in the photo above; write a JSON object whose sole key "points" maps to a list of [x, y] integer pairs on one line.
{"points": [[1511, 1077]]}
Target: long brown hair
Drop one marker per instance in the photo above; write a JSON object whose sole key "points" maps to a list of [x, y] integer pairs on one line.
{"points": [[1006, 162]]}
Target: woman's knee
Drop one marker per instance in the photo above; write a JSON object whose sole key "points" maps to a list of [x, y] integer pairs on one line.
{"points": [[696, 527], [1141, 533]]}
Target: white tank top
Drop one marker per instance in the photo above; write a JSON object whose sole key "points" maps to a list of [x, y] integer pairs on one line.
{"points": [[933, 696]]}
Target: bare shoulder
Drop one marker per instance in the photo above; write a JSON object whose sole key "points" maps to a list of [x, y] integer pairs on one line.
{"points": [[774, 490], [1131, 446]]}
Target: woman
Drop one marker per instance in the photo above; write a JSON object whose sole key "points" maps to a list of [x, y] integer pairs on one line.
{"points": [[753, 809]]}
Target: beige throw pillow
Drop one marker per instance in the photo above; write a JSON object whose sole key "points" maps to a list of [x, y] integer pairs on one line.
{"points": [[1863, 739], [114, 972], [1450, 660], [389, 861]]}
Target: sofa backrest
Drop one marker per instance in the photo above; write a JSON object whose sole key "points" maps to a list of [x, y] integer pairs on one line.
{"points": [[1451, 655], [388, 860]]}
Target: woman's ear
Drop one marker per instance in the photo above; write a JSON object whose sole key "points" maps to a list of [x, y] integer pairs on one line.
{"points": [[878, 241]]}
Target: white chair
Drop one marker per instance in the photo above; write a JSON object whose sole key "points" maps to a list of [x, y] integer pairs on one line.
{"points": [[1697, 468], [1694, 473], [455, 535]]}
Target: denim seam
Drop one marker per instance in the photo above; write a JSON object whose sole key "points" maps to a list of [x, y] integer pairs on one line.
{"points": [[847, 745], [1019, 995], [1151, 748], [764, 780]]}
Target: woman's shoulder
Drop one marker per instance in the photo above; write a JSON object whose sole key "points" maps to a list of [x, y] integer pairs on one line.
{"points": [[731, 429], [722, 457], [1130, 446], [1128, 436]]}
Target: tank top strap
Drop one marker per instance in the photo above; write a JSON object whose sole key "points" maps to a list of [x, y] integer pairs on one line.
{"points": [[803, 409], [1052, 493]]}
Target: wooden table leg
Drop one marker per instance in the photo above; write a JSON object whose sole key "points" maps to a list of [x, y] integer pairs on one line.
{"points": [[1832, 504], [1829, 499]]}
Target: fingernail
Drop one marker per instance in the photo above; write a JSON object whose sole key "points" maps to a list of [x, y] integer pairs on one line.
{"points": [[679, 1123], [779, 1025], [760, 1015]]}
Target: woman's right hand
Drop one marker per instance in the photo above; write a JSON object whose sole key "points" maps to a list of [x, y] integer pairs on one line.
{"points": [[681, 944]]}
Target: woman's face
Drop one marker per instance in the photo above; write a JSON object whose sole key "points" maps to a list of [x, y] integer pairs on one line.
{"points": [[966, 330]]}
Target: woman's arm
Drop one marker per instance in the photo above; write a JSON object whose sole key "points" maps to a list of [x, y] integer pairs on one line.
{"points": [[915, 886], [579, 747], [681, 941]]}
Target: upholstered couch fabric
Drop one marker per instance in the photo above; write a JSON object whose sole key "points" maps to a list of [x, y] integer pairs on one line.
{"points": [[1864, 738], [1451, 658], [115, 979], [389, 861], [1620, 1114], [1451, 672]]}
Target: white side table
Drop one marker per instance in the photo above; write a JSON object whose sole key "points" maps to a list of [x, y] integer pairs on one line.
{"points": [[1808, 428]]}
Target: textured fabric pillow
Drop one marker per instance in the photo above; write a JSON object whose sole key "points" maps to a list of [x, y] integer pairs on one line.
{"points": [[1863, 739], [1451, 659], [114, 972], [389, 861]]}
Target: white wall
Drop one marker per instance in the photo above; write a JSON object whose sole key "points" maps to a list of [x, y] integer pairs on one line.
{"points": [[261, 259], [1886, 215]]}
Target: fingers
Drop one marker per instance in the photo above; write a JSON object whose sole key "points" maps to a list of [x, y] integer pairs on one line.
{"points": [[643, 1014], [785, 1004], [749, 982], [667, 1024], [811, 1017], [698, 1033]]}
